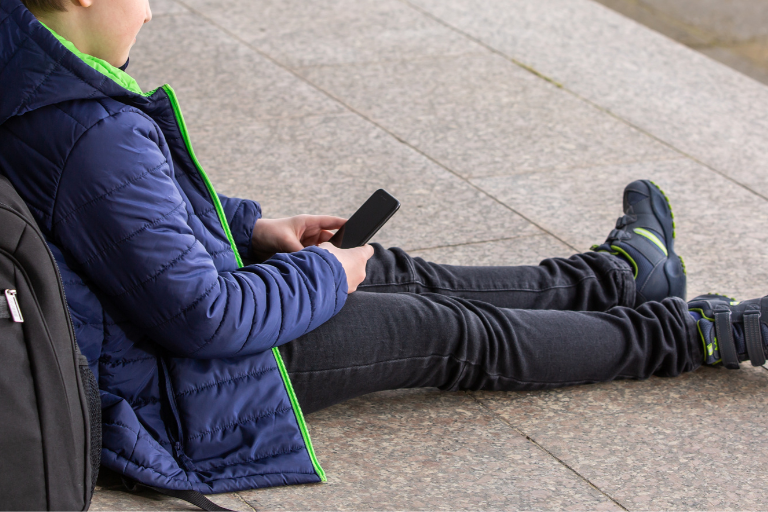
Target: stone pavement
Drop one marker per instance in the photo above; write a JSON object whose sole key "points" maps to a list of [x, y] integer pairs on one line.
{"points": [[734, 32], [508, 129]]}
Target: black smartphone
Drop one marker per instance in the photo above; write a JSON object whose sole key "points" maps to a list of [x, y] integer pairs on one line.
{"points": [[366, 221]]}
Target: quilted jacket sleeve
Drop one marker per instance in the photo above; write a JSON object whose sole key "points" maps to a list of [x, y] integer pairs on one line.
{"points": [[242, 215], [122, 218]]}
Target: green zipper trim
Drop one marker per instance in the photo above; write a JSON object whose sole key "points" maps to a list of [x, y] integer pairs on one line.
{"points": [[214, 196], [126, 81], [299, 415], [102, 66], [223, 219], [653, 238]]}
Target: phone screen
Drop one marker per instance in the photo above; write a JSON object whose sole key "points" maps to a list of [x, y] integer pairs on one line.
{"points": [[366, 221]]}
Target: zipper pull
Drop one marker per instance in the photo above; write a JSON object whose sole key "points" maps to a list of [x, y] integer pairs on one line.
{"points": [[13, 306]]}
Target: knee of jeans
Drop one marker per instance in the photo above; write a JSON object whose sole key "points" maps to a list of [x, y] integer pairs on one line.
{"points": [[389, 267]]}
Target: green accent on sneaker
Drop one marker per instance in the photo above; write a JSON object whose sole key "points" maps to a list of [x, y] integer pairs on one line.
{"points": [[671, 213], [653, 238], [701, 312], [629, 258], [595, 248], [709, 348], [682, 262], [722, 295]]}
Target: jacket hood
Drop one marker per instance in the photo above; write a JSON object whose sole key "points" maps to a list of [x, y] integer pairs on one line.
{"points": [[39, 68]]}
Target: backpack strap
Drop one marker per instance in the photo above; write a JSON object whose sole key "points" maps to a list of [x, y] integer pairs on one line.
{"points": [[196, 498]]}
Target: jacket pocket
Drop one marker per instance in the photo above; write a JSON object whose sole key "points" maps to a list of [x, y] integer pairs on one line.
{"points": [[171, 416]]}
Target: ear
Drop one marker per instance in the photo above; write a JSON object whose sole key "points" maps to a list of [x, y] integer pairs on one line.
{"points": [[82, 3]]}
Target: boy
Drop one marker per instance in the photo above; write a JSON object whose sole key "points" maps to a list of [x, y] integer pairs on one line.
{"points": [[191, 348]]}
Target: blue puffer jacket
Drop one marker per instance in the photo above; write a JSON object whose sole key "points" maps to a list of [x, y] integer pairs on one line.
{"points": [[180, 335]]}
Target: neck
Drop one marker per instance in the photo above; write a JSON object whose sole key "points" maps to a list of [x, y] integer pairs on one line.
{"points": [[65, 24]]}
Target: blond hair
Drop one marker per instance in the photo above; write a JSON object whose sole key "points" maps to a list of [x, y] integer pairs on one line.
{"points": [[41, 6]]}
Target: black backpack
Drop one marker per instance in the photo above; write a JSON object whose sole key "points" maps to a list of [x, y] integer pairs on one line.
{"points": [[50, 410]]}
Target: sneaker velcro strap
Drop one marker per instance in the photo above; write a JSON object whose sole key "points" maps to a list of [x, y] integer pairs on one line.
{"points": [[619, 234], [754, 337], [725, 338], [625, 220]]}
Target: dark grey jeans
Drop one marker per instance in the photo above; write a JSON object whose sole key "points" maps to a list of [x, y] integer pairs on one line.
{"points": [[418, 324]]}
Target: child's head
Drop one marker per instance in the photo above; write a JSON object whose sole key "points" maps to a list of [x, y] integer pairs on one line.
{"points": [[103, 28]]}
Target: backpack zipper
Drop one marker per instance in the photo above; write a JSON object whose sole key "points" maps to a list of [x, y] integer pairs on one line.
{"points": [[13, 306]]}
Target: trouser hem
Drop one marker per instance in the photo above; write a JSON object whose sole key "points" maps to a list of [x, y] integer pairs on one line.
{"points": [[624, 277], [691, 332]]}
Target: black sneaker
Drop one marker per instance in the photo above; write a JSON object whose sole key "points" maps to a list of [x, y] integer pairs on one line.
{"points": [[732, 331], [645, 237]]}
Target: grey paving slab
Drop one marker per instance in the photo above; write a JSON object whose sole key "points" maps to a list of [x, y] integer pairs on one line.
{"points": [[166, 8], [331, 164], [217, 78], [734, 20], [720, 230], [264, 133], [526, 250], [428, 450], [110, 494], [728, 32], [699, 106], [118, 499], [750, 58], [299, 33], [692, 442], [482, 115], [660, 22]]}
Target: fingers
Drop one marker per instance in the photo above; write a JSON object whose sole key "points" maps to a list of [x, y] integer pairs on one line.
{"points": [[353, 261], [314, 229], [324, 236], [323, 222], [362, 255], [316, 239]]}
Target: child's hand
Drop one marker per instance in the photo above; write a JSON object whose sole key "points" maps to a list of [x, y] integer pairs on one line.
{"points": [[291, 234], [353, 260]]}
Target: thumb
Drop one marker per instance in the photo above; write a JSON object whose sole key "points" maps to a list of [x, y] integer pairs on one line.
{"points": [[366, 251], [293, 245]]}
